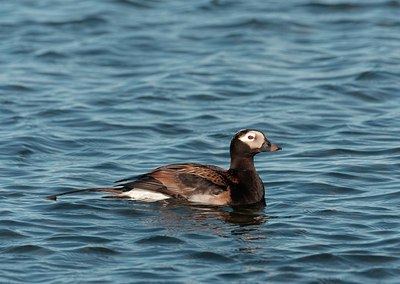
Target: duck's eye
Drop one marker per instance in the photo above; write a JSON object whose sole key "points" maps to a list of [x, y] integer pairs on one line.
{"points": [[249, 137]]}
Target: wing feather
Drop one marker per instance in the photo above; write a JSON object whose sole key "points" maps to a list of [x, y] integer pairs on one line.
{"points": [[184, 180]]}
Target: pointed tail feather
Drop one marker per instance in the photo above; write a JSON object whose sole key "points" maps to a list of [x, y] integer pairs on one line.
{"points": [[106, 189]]}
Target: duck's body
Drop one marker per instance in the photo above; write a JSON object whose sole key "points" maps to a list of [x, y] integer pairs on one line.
{"points": [[205, 184], [193, 182]]}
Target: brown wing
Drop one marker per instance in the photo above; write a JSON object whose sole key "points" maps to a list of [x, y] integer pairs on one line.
{"points": [[185, 180]]}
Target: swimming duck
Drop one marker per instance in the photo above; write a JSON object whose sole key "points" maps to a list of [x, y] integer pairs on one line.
{"points": [[204, 184]]}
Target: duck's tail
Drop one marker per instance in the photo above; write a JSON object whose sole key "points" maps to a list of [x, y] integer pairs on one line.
{"points": [[105, 189]]}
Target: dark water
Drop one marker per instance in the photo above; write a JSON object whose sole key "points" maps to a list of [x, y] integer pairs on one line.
{"points": [[95, 91]]}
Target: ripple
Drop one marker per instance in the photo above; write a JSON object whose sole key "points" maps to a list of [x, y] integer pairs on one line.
{"points": [[379, 273], [17, 87], [28, 249], [374, 76], [370, 258], [321, 259], [88, 20], [210, 257], [349, 152], [98, 250], [83, 239], [362, 95], [160, 240], [136, 4], [10, 234], [318, 6], [51, 54], [329, 189]]}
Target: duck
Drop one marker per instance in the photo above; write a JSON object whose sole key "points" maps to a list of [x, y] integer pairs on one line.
{"points": [[201, 183]]}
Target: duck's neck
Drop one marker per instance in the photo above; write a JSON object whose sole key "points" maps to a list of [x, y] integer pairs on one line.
{"points": [[245, 163], [249, 189]]}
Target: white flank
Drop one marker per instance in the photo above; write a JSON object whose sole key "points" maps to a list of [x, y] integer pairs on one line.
{"points": [[205, 199], [144, 195]]}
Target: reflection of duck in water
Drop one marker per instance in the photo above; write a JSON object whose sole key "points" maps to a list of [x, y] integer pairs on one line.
{"points": [[194, 217], [205, 184]]}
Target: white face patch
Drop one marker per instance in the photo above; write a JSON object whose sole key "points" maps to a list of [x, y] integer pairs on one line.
{"points": [[253, 138]]}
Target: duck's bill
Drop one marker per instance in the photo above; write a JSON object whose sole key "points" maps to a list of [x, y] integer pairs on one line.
{"points": [[274, 147], [269, 147]]}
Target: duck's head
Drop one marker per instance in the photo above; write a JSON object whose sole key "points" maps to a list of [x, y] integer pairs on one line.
{"points": [[249, 142]]}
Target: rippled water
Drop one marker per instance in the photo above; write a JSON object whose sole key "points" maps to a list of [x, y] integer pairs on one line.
{"points": [[95, 91]]}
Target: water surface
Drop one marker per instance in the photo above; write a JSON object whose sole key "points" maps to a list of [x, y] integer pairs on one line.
{"points": [[92, 92]]}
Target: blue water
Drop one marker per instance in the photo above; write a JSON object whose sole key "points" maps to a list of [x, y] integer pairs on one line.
{"points": [[95, 91]]}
